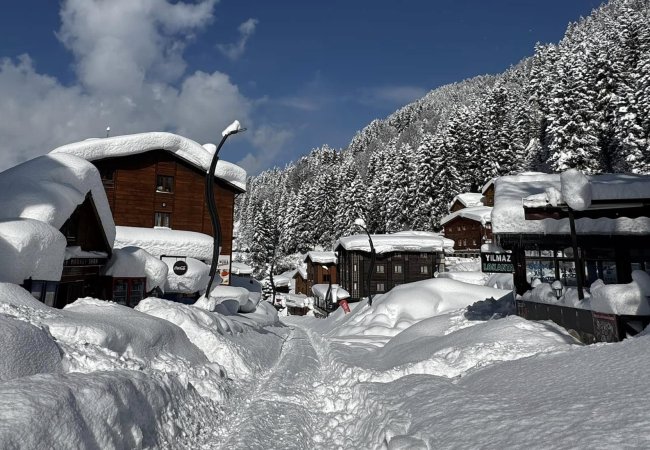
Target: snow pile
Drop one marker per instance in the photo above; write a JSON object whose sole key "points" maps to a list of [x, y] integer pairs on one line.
{"points": [[456, 264], [624, 299], [576, 190], [195, 279], [284, 279], [132, 144], [480, 214], [164, 241], [542, 189], [26, 350], [501, 281], [224, 299], [410, 303], [134, 262], [30, 249], [323, 258], [469, 277], [405, 241], [239, 268], [49, 188]]}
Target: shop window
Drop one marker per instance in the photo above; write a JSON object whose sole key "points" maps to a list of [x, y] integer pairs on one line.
{"points": [[162, 219], [164, 183], [397, 268], [542, 269]]}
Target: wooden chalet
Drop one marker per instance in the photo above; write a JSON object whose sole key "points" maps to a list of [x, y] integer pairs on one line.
{"points": [[469, 228], [400, 258], [320, 269], [301, 285], [549, 240], [466, 200], [59, 205], [158, 180]]}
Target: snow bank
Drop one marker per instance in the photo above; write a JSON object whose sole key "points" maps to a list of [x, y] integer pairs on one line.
{"points": [[49, 188], [194, 280], [26, 350], [623, 299], [164, 241], [224, 299], [410, 303], [186, 149], [409, 241], [30, 249], [476, 278], [239, 268], [135, 262]]}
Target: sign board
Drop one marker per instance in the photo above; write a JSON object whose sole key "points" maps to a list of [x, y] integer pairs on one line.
{"points": [[497, 263], [223, 269], [180, 267]]}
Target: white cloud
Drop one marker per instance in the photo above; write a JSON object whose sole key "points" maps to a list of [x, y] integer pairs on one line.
{"points": [[236, 50], [272, 142], [131, 75]]}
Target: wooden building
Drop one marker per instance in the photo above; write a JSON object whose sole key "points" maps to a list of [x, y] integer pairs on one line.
{"points": [[158, 180], [57, 228], [466, 200], [301, 286], [549, 240], [469, 228], [400, 258], [320, 269]]}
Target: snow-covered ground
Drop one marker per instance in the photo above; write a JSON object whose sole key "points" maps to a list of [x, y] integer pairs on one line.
{"points": [[411, 371]]}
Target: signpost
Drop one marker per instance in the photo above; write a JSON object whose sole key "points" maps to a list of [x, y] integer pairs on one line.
{"points": [[497, 263]]}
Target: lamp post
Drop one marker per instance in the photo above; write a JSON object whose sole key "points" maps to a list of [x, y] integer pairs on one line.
{"points": [[233, 128], [362, 224], [557, 288]]}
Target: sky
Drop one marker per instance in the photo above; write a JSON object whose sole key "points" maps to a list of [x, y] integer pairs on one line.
{"points": [[296, 74]]}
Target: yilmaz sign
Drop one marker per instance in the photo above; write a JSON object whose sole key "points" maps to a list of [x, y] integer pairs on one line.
{"points": [[497, 263]]}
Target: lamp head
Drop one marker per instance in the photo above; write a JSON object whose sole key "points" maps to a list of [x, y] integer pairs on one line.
{"points": [[233, 128], [360, 222]]}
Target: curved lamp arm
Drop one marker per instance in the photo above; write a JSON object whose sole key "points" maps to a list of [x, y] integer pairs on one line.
{"points": [[233, 128]]}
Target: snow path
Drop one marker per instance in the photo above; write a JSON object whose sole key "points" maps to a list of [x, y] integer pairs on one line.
{"points": [[305, 401]]}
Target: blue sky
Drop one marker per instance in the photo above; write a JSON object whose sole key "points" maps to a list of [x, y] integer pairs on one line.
{"points": [[298, 74]]}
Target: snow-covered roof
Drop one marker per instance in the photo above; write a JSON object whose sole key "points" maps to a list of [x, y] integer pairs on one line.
{"points": [[302, 271], [480, 214], [539, 189], [131, 144], [338, 293], [404, 241], [487, 185], [468, 199], [136, 262], [164, 241], [284, 279], [321, 257], [194, 280], [239, 268], [49, 189]]}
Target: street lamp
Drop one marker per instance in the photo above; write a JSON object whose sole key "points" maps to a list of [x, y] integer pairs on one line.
{"points": [[362, 224], [233, 128]]}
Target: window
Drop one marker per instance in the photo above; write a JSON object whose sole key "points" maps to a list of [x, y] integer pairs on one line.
{"points": [[424, 270], [162, 219], [120, 291], [380, 287], [424, 255], [473, 241], [164, 183], [326, 278], [397, 268], [44, 291], [355, 286], [354, 268], [380, 268]]}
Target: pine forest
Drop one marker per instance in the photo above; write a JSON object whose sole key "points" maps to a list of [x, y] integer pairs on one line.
{"points": [[581, 103]]}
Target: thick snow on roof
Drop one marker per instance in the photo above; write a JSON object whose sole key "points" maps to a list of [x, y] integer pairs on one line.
{"points": [[481, 214], [164, 241], [136, 262], [541, 189], [194, 280], [130, 144], [49, 188], [321, 257], [30, 249], [284, 279], [404, 241], [468, 199]]}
